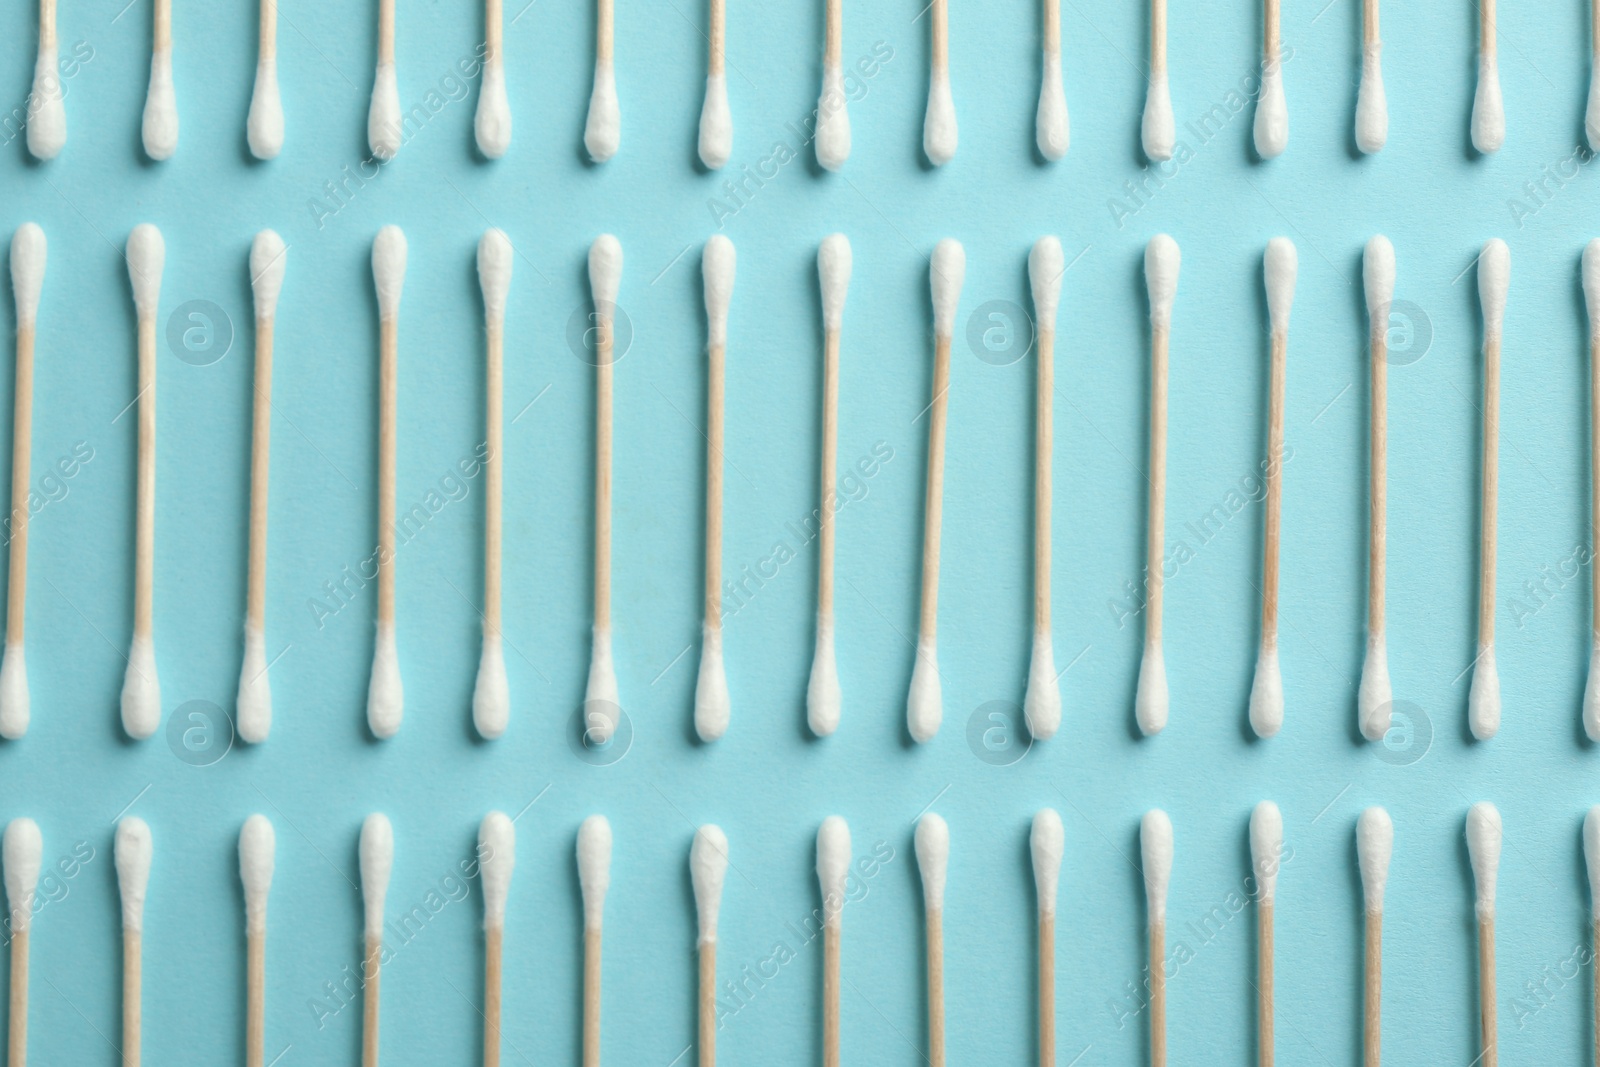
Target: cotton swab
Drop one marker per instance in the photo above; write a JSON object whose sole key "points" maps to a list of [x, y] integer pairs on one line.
{"points": [[1591, 857], [924, 708], [377, 861], [257, 844], [1161, 262], [1155, 848], [1375, 694], [1483, 848], [132, 852], [716, 121], [383, 117], [141, 690], [47, 111], [22, 855], [1041, 704], [497, 843], [385, 695], [1591, 299], [1272, 111], [603, 131], [711, 688], [263, 127], [1494, 279], [1051, 128], [1372, 108], [160, 127], [594, 878], [602, 710], [833, 113], [28, 255], [1374, 846], [1266, 693], [491, 125], [1047, 842], [939, 123], [933, 860], [268, 258], [491, 696], [1488, 110], [833, 868], [1266, 852], [822, 691], [1157, 130], [708, 869]]}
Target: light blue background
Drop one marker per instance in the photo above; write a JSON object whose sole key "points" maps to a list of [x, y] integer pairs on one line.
{"points": [[768, 783]]}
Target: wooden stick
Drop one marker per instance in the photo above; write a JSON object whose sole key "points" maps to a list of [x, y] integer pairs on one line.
{"points": [[1043, 450], [716, 37], [493, 474], [1486, 30], [928, 624], [1372, 996], [22, 446], [267, 48], [1264, 1044], [260, 458], [1047, 990], [47, 23], [371, 963], [17, 1043], [386, 31], [1369, 23], [1594, 484], [1488, 1028], [1156, 519], [1052, 27], [1158, 994], [145, 521], [939, 45], [1377, 532], [935, 934], [604, 33], [255, 998], [591, 996], [1595, 1022], [708, 1004], [388, 390], [602, 469], [1270, 36], [1158, 38], [830, 993], [1269, 564], [833, 45], [1491, 487], [716, 363], [492, 30], [493, 938], [830, 463], [161, 30], [132, 986]]}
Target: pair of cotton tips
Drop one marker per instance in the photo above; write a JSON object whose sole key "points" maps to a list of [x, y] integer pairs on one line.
{"points": [[491, 122], [385, 691], [712, 705], [1162, 261], [602, 708], [1494, 282], [824, 697]]}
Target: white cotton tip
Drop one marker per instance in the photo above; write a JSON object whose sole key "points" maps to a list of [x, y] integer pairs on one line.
{"points": [[948, 271], [1155, 849], [1483, 849], [1051, 129], [605, 271], [21, 855], [1591, 114], [716, 124], [14, 704], [933, 858], [263, 128], [939, 124], [491, 695], [833, 270], [29, 250], [594, 868], [132, 851], [1488, 110], [1591, 857], [389, 269], [1375, 697], [1483, 699], [1150, 697], [1272, 113], [1372, 108], [717, 268], [495, 257], [833, 120], [1494, 279], [925, 705], [1591, 696], [1266, 694], [1377, 278], [1161, 262], [711, 706], [47, 112], [491, 125], [1374, 846], [1046, 264], [497, 856], [255, 692], [377, 861], [141, 691], [269, 257], [1041, 703], [823, 698], [1282, 265], [383, 117], [708, 869], [1157, 130], [257, 843], [1047, 842], [833, 866], [1591, 284], [147, 255], [385, 694], [602, 707], [603, 131], [160, 129], [1266, 848]]}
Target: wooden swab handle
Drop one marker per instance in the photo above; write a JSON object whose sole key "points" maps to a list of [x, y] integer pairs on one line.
{"points": [[1274, 472], [928, 626], [1158, 994], [1264, 1043], [1372, 999], [22, 446], [1491, 487], [830, 994], [371, 964], [17, 1039], [388, 369], [1043, 447], [492, 940], [493, 475], [255, 998], [708, 1004], [1488, 1024], [1156, 521], [260, 465], [1378, 465], [145, 508], [602, 472], [132, 986], [1047, 991], [591, 997], [715, 375], [830, 463], [1158, 37], [935, 930]]}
